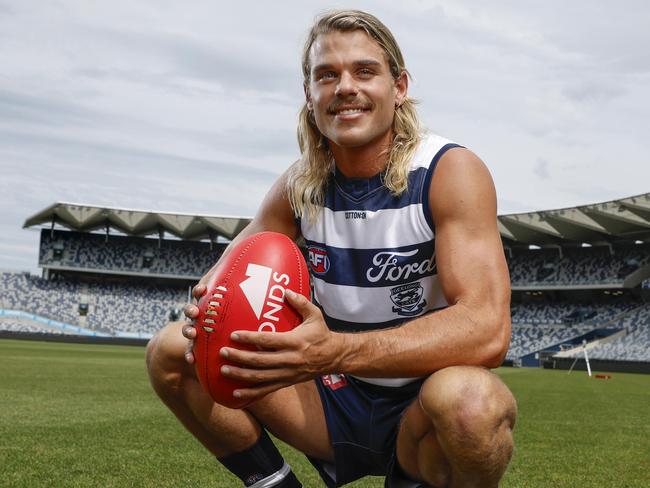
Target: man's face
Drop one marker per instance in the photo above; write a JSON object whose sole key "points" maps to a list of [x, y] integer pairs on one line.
{"points": [[351, 91]]}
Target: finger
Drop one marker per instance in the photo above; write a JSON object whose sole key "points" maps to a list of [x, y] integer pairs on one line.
{"points": [[300, 303], [258, 359], [191, 311], [189, 355], [258, 376], [264, 340], [188, 331], [198, 291], [259, 391]]}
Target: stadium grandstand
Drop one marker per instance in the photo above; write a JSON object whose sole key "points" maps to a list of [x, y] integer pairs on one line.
{"points": [[580, 276]]}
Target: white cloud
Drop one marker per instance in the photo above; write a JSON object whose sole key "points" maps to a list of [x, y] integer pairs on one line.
{"points": [[192, 107], [541, 169]]}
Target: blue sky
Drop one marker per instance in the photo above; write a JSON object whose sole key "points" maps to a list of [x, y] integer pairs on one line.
{"points": [[191, 107]]}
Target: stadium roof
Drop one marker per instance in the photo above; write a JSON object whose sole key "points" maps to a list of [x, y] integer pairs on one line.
{"points": [[86, 218], [627, 219]]}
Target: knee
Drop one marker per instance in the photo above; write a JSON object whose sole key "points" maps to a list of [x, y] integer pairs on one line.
{"points": [[469, 404], [150, 351], [165, 358]]}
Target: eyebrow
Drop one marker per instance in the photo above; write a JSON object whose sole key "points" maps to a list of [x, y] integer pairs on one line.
{"points": [[360, 62]]}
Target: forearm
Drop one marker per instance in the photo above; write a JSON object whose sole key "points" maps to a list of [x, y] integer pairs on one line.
{"points": [[452, 336]]}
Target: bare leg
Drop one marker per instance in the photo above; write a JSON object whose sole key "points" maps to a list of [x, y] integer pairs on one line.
{"points": [[293, 414], [459, 432]]}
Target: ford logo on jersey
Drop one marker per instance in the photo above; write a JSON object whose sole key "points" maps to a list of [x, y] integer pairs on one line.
{"points": [[393, 266], [318, 260], [408, 299]]}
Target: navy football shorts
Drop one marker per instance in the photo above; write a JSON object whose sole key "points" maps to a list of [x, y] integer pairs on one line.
{"points": [[363, 421]]}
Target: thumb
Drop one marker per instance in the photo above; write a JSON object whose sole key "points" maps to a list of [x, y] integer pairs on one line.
{"points": [[300, 303]]}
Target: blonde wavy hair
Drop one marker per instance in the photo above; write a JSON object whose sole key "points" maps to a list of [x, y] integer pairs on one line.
{"points": [[308, 176]]}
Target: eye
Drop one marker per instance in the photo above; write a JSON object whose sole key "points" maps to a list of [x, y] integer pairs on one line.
{"points": [[365, 73], [326, 75]]}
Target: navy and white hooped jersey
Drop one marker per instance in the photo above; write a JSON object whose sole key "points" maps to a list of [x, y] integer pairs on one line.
{"points": [[371, 254]]}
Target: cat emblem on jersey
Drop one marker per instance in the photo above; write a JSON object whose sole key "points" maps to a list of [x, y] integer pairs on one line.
{"points": [[408, 299]]}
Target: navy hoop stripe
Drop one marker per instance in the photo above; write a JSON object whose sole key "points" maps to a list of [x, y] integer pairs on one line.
{"points": [[369, 267], [351, 194], [338, 325]]}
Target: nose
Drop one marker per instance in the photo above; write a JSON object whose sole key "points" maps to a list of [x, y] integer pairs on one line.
{"points": [[346, 85]]}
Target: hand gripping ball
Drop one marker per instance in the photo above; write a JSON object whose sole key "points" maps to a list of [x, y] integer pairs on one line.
{"points": [[246, 293]]}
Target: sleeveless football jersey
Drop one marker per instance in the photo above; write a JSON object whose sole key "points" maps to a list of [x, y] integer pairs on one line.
{"points": [[371, 254]]}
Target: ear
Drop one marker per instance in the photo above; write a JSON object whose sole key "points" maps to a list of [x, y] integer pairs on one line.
{"points": [[310, 105], [401, 88]]}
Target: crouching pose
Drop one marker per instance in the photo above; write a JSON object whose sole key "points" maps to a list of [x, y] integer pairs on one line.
{"points": [[388, 374]]}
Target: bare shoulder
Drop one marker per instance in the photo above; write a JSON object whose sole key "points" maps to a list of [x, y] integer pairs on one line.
{"points": [[461, 185]]}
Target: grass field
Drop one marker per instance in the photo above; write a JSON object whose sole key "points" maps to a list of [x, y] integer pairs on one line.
{"points": [[85, 415]]}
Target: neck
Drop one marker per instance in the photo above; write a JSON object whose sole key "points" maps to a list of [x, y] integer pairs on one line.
{"points": [[362, 161]]}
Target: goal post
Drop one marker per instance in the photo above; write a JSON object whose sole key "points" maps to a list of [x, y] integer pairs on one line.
{"points": [[584, 350]]}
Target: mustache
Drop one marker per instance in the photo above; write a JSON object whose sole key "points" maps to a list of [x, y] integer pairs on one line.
{"points": [[357, 102]]}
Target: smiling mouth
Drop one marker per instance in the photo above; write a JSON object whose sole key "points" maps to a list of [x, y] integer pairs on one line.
{"points": [[349, 110]]}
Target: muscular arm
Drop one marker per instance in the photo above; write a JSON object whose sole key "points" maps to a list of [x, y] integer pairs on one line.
{"points": [[475, 328]]}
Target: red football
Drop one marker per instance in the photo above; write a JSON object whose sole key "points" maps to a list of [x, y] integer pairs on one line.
{"points": [[246, 293]]}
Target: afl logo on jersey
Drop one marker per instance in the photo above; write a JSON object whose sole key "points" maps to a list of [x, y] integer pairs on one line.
{"points": [[318, 260]]}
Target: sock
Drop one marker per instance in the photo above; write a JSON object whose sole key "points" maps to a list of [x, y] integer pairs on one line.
{"points": [[261, 466]]}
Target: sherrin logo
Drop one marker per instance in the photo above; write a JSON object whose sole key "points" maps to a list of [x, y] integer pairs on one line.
{"points": [[263, 298], [318, 259]]}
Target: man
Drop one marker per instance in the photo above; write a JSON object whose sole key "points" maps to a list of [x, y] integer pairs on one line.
{"points": [[387, 374]]}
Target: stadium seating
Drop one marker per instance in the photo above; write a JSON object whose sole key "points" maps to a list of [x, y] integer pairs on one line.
{"points": [[134, 304], [540, 325], [134, 255], [111, 308], [527, 339], [24, 326], [58, 300], [564, 312], [577, 266], [142, 309], [132, 308], [635, 346]]}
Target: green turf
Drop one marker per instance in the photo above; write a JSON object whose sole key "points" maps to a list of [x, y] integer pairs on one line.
{"points": [[85, 415]]}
